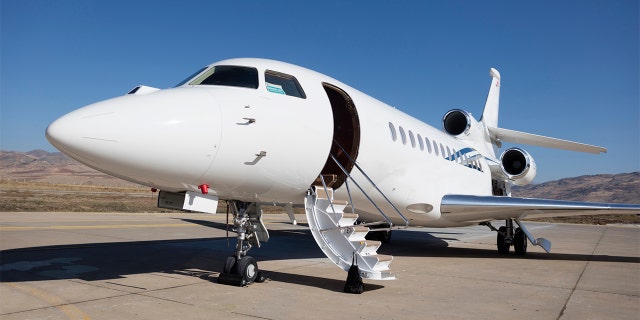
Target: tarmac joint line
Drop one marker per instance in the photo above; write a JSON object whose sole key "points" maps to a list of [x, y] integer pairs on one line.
{"points": [[69, 309], [575, 286]]}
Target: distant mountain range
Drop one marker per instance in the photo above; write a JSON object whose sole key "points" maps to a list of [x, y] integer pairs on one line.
{"points": [[51, 167], [55, 167], [613, 188]]}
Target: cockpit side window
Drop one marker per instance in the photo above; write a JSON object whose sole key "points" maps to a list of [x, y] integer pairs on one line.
{"points": [[234, 76], [190, 77], [282, 83]]}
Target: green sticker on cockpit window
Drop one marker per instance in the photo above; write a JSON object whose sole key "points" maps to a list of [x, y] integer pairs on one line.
{"points": [[275, 88]]}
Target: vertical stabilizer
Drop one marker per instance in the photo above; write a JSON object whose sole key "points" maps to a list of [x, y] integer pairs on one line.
{"points": [[492, 106]]}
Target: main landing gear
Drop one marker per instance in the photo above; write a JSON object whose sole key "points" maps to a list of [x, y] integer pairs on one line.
{"points": [[241, 269], [379, 232], [508, 236]]}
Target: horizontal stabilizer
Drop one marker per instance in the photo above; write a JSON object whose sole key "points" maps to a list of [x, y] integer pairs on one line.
{"points": [[500, 134]]}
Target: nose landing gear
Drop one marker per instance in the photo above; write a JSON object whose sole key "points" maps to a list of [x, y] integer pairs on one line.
{"points": [[241, 269]]}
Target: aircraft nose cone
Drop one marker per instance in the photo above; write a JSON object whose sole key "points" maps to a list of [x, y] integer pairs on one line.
{"points": [[167, 138], [62, 134], [72, 133], [55, 134]]}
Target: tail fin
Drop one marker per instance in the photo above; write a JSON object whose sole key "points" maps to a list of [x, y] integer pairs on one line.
{"points": [[492, 106], [497, 135]]}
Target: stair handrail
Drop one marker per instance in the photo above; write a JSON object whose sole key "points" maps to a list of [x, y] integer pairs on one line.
{"points": [[406, 221], [362, 190], [367, 195], [326, 190]]}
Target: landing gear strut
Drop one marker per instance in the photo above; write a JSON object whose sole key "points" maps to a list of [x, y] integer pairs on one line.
{"points": [[241, 269]]}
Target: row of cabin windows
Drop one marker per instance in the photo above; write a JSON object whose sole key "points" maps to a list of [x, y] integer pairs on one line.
{"points": [[431, 145], [247, 77]]}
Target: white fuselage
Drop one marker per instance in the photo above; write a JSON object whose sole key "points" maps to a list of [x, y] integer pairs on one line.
{"points": [[256, 145]]}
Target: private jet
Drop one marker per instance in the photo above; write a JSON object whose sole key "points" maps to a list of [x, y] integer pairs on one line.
{"points": [[256, 132]]}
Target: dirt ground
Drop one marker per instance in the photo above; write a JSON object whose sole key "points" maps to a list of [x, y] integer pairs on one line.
{"points": [[49, 197]]}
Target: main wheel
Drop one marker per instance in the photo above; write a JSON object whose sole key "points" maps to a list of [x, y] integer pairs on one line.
{"points": [[247, 267], [382, 236], [520, 242], [385, 236], [503, 246]]}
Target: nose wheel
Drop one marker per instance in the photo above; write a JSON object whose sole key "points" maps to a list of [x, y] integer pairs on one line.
{"points": [[241, 272], [241, 269]]}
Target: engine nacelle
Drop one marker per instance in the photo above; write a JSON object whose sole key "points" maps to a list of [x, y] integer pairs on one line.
{"points": [[462, 125], [457, 122], [518, 166]]}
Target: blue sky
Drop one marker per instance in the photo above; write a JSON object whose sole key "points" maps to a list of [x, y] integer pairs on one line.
{"points": [[570, 69]]}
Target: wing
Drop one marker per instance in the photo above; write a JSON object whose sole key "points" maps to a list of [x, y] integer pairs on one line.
{"points": [[482, 208]]}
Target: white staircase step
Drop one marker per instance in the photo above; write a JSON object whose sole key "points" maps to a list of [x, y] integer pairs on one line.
{"points": [[338, 206], [326, 194], [356, 233], [378, 275], [338, 236], [369, 247], [379, 261], [348, 219]]}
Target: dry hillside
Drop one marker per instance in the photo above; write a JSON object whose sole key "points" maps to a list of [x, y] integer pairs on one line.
{"points": [[43, 181]]}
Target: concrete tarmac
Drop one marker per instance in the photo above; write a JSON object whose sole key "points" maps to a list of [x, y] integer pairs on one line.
{"points": [[164, 266]]}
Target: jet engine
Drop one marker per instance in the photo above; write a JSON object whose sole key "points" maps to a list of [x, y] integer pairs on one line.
{"points": [[462, 125], [458, 122], [518, 166]]}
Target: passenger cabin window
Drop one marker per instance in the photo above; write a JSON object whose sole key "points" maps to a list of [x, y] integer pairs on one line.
{"points": [[234, 76], [403, 135], [281, 83], [412, 139], [392, 128]]}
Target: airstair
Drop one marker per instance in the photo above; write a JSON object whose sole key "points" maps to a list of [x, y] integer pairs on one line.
{"points": [[333, 223]]}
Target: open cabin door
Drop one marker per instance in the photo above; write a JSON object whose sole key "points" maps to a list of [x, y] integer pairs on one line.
{"points": [[334, 222], [346, 136]]}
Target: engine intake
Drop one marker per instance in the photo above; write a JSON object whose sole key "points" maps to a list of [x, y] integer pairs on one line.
{"points": [[457, 122], [518, 166]]}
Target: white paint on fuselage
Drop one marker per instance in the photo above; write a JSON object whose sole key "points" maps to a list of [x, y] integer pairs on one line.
{"points": [[164, 139], [179, 138], [407, 174]]}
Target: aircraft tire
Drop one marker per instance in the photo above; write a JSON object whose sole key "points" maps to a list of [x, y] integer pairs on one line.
{"points": [[520, 242], [385, 236], [247, 267], [229, 263], [503, 247]]}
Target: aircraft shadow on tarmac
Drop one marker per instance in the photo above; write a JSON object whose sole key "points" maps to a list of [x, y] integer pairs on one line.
{"points": [[205, 257], [409, 243]]}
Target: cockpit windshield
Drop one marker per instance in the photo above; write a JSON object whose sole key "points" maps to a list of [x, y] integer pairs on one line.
{"points": [[235, 76]]}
